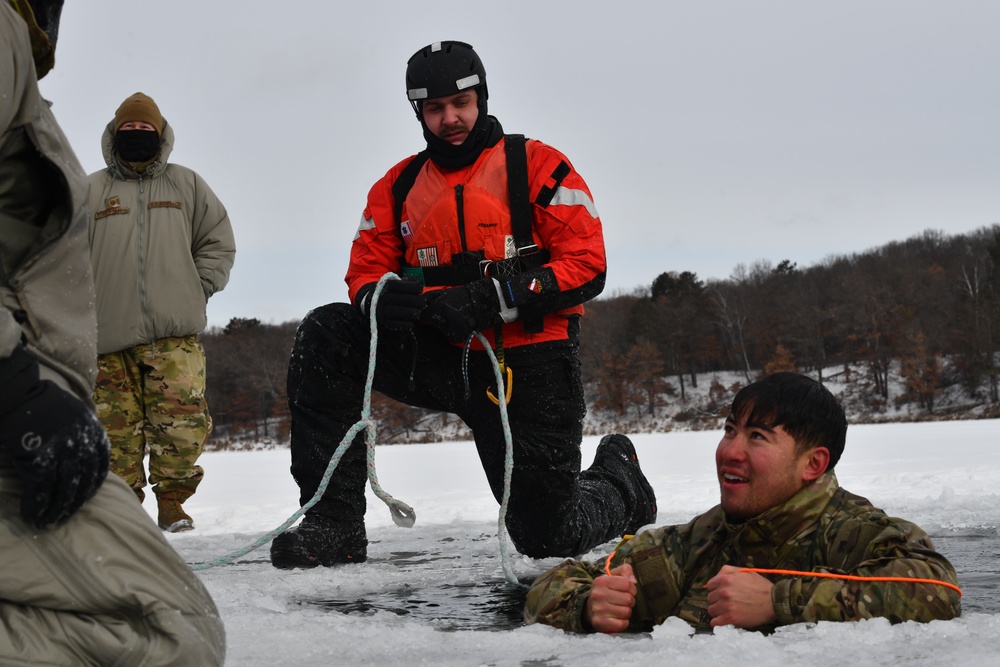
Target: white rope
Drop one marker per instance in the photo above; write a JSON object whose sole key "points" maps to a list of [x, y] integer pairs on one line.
{"points": [[402, 514], [508, 464]]}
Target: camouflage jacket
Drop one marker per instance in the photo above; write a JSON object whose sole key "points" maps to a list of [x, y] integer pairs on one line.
{"points": [[823, 528]]}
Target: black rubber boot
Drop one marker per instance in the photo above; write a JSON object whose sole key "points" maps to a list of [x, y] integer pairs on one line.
{"points": [[319, 540], [616, 454]]}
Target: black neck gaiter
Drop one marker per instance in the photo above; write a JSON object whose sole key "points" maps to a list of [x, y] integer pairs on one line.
{"points": [[137, 145], [485, 134]]}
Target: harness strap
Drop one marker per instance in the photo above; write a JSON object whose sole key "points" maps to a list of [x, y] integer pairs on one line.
{"points": [[520, 214], [460, 274], [547, 192], [528, 255], [517, 190], [404, 182]]}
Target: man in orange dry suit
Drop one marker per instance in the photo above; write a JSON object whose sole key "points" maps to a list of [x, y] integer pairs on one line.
{"points": [[493, 234]]}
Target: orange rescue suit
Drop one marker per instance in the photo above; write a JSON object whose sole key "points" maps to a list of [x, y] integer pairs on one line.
{"points": [[451, 211]]}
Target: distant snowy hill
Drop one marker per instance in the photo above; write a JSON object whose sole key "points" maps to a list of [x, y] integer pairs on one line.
{"points": [[702, 405], [701, 408]]}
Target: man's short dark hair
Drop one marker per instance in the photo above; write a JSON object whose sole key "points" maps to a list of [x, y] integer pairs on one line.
{"points": [[804, 408]]}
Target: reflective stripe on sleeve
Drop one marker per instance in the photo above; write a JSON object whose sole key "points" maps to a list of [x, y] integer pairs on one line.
{"points": [[366, 223], [567, 197]]}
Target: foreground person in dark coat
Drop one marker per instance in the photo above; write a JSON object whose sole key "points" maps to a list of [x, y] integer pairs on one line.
{"points": [[87, 578]]}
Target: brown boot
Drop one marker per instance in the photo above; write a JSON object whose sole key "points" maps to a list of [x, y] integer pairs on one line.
{"points": [[172, 518]]}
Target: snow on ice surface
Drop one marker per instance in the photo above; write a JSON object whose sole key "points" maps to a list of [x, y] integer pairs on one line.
{"points": [[434, 594]]}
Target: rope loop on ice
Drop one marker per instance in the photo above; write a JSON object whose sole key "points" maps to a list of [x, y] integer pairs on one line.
{"points": [[401, 513]]}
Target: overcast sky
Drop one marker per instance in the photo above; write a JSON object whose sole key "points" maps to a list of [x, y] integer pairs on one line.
{"points": [[712, 133]]}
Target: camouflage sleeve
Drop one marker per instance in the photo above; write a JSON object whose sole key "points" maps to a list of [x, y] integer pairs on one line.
{"points": [[558, 597], [900, 549]]}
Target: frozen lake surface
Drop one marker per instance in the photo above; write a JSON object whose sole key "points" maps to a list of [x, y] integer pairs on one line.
{"points": [[435, 594]]}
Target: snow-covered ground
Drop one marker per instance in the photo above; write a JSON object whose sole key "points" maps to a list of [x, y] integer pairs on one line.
{"points": [[435, 594]]}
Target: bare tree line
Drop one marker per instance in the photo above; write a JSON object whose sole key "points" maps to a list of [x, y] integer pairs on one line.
{"points": [[928, 307]]}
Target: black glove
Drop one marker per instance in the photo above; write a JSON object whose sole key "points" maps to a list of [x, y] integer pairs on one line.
{"points": [[460, 311], [58, 446], [399, 304]]}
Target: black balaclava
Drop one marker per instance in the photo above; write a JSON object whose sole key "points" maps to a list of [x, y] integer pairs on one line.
{"points": [[137, 146]]}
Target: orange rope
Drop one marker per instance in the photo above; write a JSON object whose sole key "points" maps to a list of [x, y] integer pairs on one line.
{"points": [[825, 575], [852, 577]]}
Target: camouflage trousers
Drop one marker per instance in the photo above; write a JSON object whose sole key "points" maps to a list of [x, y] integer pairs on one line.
{"points": [[152, 396]]}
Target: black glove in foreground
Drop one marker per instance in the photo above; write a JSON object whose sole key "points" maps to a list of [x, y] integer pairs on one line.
{"points": [[460, 311], [58, 446], [399, 304]]}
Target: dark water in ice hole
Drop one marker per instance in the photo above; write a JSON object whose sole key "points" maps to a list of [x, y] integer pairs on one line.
{"points": [[486, 602], [490, 603], [977, 562]]}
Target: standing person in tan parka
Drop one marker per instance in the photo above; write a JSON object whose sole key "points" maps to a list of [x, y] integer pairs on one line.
{"points": [[87, 579], [161, 245]]}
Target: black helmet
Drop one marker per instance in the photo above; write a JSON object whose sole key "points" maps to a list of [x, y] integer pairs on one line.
{"points": [[444, 68]]}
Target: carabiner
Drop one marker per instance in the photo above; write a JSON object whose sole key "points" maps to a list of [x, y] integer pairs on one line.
{"points": [[507, 391]]}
